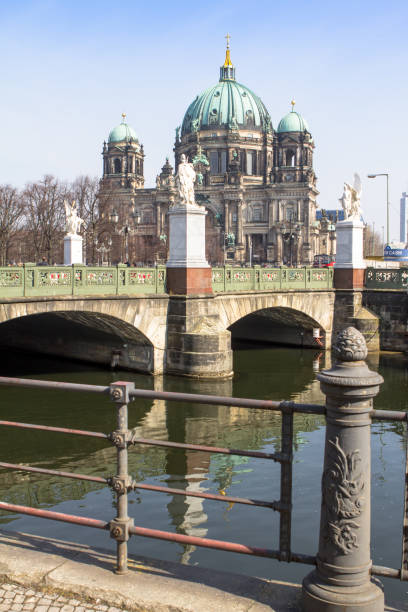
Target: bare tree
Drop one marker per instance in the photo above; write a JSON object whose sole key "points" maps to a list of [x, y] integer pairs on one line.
{"points": [[85, 191], [11, 217], [45, 217], [372, 242]]}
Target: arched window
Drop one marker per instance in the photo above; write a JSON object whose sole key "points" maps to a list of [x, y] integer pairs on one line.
{"points": [[290, 157], [250, 118], [117, 165]]}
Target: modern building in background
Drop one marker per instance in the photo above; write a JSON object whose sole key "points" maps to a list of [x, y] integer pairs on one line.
{"points": [[256, 182], [403, 218]]}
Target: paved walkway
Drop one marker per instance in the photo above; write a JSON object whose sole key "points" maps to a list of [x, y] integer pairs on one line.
{"points": [[14, 597]]}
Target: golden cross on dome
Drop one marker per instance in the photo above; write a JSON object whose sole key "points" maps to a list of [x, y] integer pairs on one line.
{"points": [[228, 39], [123, 117], [293, 104]]}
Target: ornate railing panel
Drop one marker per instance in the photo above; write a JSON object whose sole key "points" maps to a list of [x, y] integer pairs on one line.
{"points": [[384, 278], [31, 280], [271, 279]]}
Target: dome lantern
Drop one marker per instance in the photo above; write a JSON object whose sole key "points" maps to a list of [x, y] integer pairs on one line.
{"points": [[227, 71]]}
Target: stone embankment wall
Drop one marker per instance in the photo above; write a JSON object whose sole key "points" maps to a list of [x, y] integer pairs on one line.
{"points": [[391, 308]]}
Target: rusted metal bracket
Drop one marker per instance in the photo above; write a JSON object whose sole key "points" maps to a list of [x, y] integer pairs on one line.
{"points": [[120, 485], [120, 392], [119, 529]]}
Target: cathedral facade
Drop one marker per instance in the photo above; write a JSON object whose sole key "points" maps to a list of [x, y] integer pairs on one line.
{"points": [[256, 182]]}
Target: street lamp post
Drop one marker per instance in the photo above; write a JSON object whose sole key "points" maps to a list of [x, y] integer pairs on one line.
{"points": [[388, 202], [104, 250], [290, 235], [229, 241], [126, 229], [163, 240]]}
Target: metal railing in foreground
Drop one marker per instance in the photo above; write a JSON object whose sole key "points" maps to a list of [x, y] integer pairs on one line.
{"points": [[344, 548]]}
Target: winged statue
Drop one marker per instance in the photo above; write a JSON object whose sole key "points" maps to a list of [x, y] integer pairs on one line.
{"points": [[350, 200]]}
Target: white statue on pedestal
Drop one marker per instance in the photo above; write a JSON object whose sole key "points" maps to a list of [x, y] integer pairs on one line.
{"points": [[350, 200], [73, 222], [185, 178]]}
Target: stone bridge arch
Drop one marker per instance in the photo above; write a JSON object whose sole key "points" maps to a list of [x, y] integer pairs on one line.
{"points": [[128, 332], [305, 309]]}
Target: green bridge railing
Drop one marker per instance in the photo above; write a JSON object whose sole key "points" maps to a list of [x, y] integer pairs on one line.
{"points": [[264, 279], [32, 280], [385, 278]]}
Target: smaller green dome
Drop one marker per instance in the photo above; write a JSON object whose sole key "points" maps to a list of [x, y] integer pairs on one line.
{"points": [[123, 132], [293, 122]]}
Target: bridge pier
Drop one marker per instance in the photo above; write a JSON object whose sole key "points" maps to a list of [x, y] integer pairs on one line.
{"points": [[349, 311], [197, 345]]}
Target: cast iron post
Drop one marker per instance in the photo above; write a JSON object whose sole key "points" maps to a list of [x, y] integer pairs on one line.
{"points": [[342, 581], [119, 527]]}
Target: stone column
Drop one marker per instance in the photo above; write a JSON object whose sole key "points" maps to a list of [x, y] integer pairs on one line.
{"points": [[158, 219], [342, 579], [226, 216], [187, 269], [350, 266], [72, 249], [239, 223]]}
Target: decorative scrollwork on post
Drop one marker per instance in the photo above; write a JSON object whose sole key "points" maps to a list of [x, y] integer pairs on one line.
{"points": [[342, 489]]}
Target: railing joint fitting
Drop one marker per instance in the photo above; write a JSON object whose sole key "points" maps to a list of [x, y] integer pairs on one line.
{"points": [[287, 407], [119, 438], [120, 392], [120, 485], [285, 556], [119, 529]]}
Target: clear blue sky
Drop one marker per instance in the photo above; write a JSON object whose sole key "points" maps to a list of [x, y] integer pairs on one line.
{"points": [[69, 69]]}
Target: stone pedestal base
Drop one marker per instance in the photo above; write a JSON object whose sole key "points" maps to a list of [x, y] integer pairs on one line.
{"points": [[348, 278], [189, 281], [72, 249], [320, 596], [197, 344]]}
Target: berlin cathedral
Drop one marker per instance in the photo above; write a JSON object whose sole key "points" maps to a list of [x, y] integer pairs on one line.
{"points": [[256, 182]]}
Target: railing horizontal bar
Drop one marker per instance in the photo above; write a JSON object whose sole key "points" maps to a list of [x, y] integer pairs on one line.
{"points": [[213, 449], [28, 468], [161, 535], [389, 415], [218, 544], [55, 516], [239, 402], [389, 572], [170, 395], [76, 432], [51, 384], [223, 498]]}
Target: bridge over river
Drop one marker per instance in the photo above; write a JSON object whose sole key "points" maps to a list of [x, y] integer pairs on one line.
{"points": [[123, 315]]}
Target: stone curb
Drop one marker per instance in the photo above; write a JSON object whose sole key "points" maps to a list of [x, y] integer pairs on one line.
{"points": [[150, 585]]}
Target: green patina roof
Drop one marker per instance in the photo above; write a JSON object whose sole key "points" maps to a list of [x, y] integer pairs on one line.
{"points": [[123, 132], [227, 104], [293, 122]]}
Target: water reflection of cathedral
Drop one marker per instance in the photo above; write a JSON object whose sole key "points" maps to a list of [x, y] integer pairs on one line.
{"points": [[256, 182], [189, 471]]}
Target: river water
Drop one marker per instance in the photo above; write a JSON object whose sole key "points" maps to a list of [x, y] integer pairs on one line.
{"points": [[260, 372]]}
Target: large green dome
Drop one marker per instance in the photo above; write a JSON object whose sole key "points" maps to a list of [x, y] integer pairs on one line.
{"points": [[123, 132], [293, 122], [227, 104]]}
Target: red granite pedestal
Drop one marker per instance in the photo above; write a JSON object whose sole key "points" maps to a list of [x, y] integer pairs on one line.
{"points": [[189, 281], [348, 278]]}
